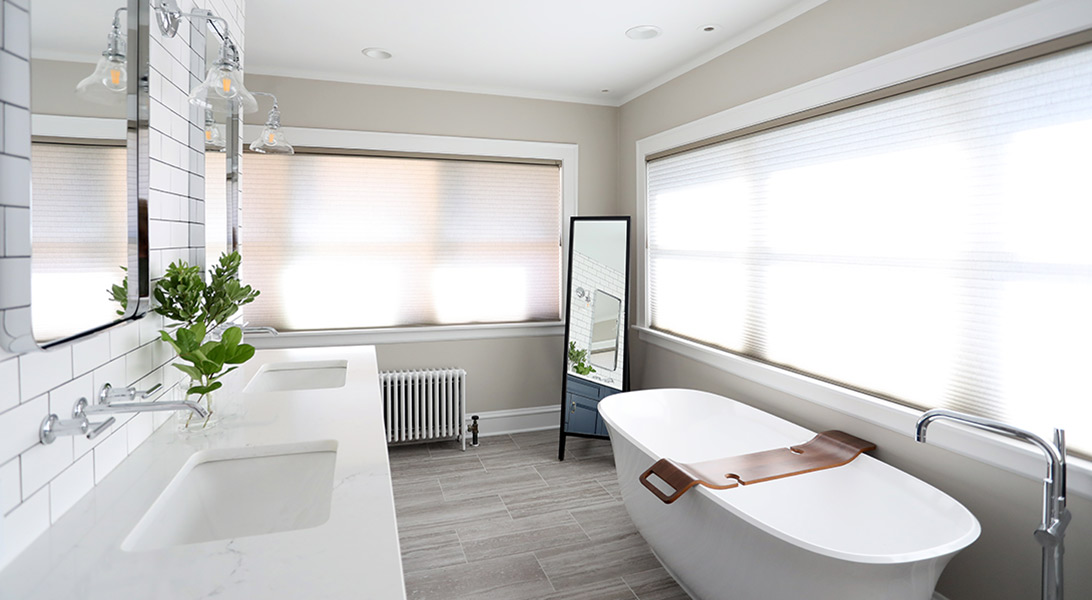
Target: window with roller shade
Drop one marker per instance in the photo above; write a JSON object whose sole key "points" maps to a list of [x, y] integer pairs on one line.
{"points": [[79, 237], [354, 242], [931, 248]]}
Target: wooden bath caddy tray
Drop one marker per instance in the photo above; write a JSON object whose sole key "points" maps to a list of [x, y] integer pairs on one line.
{"points": [[827, 450]]}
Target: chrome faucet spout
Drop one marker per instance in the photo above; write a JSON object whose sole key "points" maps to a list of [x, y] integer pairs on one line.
{"points": [[124, 407], [1051, 533]]}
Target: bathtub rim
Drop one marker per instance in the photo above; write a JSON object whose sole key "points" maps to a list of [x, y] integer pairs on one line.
{"points": [[931, 553]]}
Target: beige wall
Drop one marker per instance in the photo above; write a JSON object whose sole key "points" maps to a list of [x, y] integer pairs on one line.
{"points": [[1004, 563], [502, 373], [334, 105]]}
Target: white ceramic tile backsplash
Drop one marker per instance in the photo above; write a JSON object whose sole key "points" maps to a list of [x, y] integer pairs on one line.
{"points": [[70, 486], [38, 484]]}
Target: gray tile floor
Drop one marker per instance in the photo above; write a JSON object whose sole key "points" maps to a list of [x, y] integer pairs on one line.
{"points": [[508, 521]]}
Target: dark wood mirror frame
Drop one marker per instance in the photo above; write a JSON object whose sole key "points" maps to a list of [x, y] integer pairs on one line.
{"points": [[580, 394]]}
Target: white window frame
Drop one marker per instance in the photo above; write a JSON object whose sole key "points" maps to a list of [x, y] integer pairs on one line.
{"points": [[566, 154], [1025, 26]]}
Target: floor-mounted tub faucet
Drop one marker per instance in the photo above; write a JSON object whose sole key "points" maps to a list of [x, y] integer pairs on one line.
{"points": [[1051, 533]]}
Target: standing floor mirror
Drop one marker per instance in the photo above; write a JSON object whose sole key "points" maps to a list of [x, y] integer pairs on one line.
{"points": [[596, 323]]}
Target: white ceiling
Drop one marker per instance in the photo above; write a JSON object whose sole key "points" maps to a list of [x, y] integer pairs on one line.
{"points": [[556, 49]]}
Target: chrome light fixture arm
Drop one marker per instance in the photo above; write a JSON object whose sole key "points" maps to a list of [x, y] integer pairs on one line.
{"points": [[1056, 517], [169, 16]]}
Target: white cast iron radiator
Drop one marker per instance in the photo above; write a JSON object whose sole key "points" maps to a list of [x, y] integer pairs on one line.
{"points": [[424, 405]]}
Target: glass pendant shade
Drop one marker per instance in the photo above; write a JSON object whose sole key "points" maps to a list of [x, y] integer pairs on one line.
{"points": [[272, 142], [214, 137], [109, 83], [223, 88], [272, 139]]}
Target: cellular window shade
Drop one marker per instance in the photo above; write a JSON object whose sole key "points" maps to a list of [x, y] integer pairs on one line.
{"points": [[345, 242], [932, 248], [79, 236]]}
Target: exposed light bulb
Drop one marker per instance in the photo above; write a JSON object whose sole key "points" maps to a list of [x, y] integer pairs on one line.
{"points": [[116, 76]]}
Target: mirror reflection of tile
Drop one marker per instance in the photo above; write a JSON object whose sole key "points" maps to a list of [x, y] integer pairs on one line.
{"points": [[595, 320]]}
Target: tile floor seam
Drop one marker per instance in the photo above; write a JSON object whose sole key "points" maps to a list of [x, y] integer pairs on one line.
{"points": [[462, 547], [548, 580], [573, 517]]}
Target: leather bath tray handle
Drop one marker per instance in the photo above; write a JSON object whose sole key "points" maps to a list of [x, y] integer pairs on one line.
{"points": [[826, 450]]}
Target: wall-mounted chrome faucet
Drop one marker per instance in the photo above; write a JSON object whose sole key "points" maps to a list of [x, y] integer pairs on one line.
{"points": [[121, 400], [111, 400], [1056, 517], [54, 426]]}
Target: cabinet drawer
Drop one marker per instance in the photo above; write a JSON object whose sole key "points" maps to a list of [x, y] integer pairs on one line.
{"points": [[583, 388]]}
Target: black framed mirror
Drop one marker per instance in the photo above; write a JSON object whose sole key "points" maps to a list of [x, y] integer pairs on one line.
{"points": [[596, 323]]}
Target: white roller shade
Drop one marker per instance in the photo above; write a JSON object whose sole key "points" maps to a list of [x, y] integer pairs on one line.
{"points": [[345, 242], [933, 248], [79, 236]]}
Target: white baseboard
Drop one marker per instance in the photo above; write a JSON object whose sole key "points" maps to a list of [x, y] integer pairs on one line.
{"points": [[939, 596], [517, 420]]}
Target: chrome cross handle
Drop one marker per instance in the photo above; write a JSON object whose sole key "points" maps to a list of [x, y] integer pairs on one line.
{"points": [[109, 393]]}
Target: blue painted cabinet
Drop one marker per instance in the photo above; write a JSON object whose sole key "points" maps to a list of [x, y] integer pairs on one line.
{"points": [[582, 406]]}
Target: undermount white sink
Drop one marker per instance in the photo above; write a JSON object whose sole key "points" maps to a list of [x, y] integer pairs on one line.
{"points": [[238, 492], [305, 375]]}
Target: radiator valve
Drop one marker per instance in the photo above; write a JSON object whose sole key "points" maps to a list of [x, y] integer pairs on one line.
{"points": [[473, 429]]}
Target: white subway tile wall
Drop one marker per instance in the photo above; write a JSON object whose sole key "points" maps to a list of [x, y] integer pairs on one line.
{"points": [[593, 275], [38, 484]]}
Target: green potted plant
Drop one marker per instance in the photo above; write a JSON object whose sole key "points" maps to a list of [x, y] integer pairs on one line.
{"points": [[202, 311], [578, 360]]}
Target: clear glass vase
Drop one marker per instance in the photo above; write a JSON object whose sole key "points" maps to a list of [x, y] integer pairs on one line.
{"points": [[189, 421]]}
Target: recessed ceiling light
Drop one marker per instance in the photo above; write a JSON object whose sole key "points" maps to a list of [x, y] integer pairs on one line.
{"points": [[376, 53], [709, 28], [643, 32]]}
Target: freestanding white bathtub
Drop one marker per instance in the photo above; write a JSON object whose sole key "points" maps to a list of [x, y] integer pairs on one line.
{"points": [[863, 531]]}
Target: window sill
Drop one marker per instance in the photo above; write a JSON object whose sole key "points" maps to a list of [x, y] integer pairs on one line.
{"points": [[1000, 452], [404, 335]]}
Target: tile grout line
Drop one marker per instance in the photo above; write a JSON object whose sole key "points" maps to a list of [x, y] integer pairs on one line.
{"points": [[548, 580]]}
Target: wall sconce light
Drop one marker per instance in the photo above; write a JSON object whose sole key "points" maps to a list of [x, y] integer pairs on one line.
{"points": [[584, 295], [109, 83], [272, 141], [223, 86]]}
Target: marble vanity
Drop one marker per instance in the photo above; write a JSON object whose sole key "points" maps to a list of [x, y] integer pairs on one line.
{"points": [[345, 546]]}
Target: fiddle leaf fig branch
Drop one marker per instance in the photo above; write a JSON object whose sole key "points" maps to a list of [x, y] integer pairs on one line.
{"points": [[225, 294], [120, 293], [179, 293], [182, 296], [578, 358], [207, 359]]}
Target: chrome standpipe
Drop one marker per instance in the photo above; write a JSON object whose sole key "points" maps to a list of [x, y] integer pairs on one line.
{"points": [[1056, 517]]}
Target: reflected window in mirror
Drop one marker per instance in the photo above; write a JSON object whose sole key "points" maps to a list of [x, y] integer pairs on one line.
{"points": [[79, 243], [603, 345], [79, 185]]}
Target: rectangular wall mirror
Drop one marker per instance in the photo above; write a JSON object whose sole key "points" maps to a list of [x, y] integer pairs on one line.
{"points": [[596, 323], [222, 151], [88, 213]]}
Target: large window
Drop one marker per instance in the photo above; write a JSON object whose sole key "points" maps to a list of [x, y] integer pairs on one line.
{"points": [[340, 241], [932, 248]]}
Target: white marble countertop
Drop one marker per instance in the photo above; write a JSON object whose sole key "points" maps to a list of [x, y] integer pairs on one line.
{"points": [[354, 554]]}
